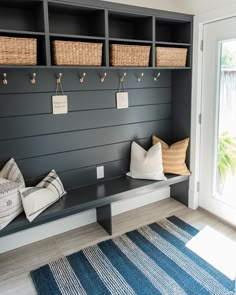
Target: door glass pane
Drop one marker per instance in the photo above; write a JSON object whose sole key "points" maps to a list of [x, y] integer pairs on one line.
{"points": [[226, 172]]}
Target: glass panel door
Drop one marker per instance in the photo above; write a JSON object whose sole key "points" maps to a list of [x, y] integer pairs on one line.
{"points": [[226, 162], [218, 130]]}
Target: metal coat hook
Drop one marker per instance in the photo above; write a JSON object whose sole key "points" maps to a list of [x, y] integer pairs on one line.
{"points": [[82, 78], [33, 79], [103, 77], [157, 77], [59, 77], [4, 81], [140, 77], [122, 78]]}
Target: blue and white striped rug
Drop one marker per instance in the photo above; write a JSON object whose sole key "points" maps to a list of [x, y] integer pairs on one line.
{"points": [[150, 260]]}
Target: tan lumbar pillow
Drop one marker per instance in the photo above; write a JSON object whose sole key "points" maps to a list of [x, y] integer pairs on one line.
{"points": [[173, 156]]}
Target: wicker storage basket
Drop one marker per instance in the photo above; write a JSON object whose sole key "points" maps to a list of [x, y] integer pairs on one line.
{"points": [[18, 51], [77, 53], [171, 57], [129, 55]]}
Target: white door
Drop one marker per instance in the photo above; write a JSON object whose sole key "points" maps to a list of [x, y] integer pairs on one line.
{"points": [[218, 130]]}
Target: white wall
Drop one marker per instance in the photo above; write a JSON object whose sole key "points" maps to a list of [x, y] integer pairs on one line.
{"points": [[170, 5], [201, 6], [186, 6]]}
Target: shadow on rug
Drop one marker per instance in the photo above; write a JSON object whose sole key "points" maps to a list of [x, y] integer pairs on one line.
{"points": [[150, 260]]}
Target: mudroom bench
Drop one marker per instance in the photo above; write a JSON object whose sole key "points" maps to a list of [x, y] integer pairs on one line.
{"points": [[101, 196], [92, 130]]}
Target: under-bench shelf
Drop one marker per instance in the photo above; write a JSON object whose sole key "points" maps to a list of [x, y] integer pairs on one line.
{"points": [[99, 196]]}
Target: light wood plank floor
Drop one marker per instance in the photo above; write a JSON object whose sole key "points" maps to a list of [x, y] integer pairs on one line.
{"points": [[16, 265]]}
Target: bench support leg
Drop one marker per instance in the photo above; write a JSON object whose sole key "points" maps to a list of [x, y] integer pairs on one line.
{"points": [[104, 218], [179, 192]]}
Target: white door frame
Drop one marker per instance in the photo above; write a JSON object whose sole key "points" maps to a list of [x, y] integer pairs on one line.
{"points": [[199, 21]]}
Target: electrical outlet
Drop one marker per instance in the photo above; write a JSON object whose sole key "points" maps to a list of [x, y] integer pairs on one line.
{"points": [[100, 172]]}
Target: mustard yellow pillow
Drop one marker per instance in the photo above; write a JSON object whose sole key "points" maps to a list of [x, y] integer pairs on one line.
{"points": [[173, 157]]}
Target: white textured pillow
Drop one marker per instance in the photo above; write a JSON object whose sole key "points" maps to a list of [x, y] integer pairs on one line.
{"points": [[12, 172], [146, 164], [36, 199], [10, 201]]}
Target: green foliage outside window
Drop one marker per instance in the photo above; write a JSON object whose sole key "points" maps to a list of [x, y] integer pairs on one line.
{"points": [[228, 58], [226, 155]]}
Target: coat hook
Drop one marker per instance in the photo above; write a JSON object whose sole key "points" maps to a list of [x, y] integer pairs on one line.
{"points": [[82, 78], [59, 77], [103, 77], [157, 77], [33, 79], [122, 78], [4, 81], [140, 77]]}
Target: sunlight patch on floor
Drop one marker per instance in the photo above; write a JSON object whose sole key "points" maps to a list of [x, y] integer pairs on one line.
{"points": [[216, 249]]}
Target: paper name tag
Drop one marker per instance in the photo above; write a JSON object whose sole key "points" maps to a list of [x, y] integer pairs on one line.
{"points": [[59, 104], [122, 100]]}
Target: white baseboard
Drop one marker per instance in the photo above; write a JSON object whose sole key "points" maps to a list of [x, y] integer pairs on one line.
{"points": [[60, 226]]}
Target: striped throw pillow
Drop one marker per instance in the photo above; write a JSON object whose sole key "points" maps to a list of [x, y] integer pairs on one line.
{"points": [[12, 172], [36, 199], [174, 156], [53, 182]]}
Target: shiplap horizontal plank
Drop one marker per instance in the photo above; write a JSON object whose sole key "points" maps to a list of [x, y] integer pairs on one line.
{"points": [[85, 176], [94, 132], [19, 80], [36, 167], [55, 143], [25, 126], [41, 103]]}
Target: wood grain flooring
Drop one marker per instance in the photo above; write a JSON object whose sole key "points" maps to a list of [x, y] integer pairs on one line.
{"points": [[16, 265]]}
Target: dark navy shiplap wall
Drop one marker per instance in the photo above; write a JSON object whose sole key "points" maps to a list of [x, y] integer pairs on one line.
{"points": [[93, 133]]}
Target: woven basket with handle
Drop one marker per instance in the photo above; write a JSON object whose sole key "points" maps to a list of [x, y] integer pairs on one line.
{"points": [[171, 57], [18, 51], [129, 55], [77, 53]]}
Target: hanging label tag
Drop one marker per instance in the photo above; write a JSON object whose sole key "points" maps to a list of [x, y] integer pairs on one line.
{"points": [[122, 100], [59, 104]]}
